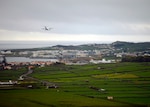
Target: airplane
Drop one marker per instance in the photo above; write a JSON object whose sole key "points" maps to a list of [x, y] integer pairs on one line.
{"points": [[47, 29]]}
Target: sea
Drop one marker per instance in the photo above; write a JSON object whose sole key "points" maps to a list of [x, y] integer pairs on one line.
{"points": [[5, 45]]}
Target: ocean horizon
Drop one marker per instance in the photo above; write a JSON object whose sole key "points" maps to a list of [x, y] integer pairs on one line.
{"points": [[4, 45]]}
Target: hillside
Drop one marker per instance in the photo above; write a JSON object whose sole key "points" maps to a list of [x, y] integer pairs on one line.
{"points": [[127, 84], [131, 47], [115, 47], [83, 47]]}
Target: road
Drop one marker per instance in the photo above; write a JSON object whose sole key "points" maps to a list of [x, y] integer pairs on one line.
{"points": [[22, 77], [43, 82]]}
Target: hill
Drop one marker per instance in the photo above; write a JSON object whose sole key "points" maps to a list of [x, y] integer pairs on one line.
{"points": [[131, 47], [118, 45]]}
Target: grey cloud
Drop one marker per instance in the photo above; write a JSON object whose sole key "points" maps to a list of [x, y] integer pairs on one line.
{"points": [[75, 16]]}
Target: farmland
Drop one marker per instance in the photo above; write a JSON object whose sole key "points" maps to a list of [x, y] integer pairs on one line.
{"points": [[82, 86]]}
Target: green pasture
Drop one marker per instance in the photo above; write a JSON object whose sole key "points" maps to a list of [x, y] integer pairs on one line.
{"points": [[85, 86], [116, 75], [11, 74], [50, 98]]}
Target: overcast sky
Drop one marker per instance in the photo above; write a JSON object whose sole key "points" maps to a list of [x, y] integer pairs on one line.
{"points": [[75, 20]]}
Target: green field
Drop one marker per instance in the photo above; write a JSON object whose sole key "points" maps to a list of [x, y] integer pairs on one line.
{"points": [[82, 86]]}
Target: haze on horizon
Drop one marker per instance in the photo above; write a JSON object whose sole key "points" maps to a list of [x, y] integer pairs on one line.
{"points": [[75, 20]]}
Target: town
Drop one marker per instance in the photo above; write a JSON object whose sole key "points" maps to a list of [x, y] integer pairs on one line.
{"points": [[77, 55]]}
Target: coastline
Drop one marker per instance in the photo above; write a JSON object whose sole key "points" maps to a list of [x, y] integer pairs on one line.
{"points": [[4, 45]]}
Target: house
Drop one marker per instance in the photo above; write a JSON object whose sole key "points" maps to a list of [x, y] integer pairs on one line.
{"points": [[110, 97], [10, 82], [5, 52], [7, 67], [30, 67]]}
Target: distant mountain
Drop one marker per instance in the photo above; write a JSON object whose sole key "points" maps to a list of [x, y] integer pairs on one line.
{"points": [[118, 46], [83, 47], [131, 47]]}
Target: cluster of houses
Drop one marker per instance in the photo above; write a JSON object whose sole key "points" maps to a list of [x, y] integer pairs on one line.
{"points": [[10, 82], [68, 57], [134, 54], [76, 57], [17, 65], [55, 54]]}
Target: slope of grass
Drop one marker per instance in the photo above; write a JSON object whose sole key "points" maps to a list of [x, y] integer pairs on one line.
{"points": [[51, 98], [11, 74], [128, 83], [116, 75]]}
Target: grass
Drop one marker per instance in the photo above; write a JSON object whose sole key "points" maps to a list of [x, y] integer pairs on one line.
{"points": [[116, 75], [51, 98], [11, 74], [128, 83]]}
